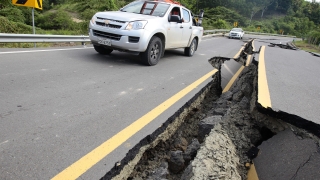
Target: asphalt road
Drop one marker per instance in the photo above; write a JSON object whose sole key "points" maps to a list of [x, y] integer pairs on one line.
{"points": [[58, 104], [293, 80]]}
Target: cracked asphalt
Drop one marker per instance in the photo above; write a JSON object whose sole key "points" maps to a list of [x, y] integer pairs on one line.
{"points": [[287, 156]]}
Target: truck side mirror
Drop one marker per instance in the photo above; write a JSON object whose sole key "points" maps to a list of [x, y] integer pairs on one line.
{"points": [[175, 18], [201, 13]]}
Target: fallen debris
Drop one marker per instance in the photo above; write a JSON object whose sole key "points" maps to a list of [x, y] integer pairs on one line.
{"points": [[284, 46], [315, 54]]}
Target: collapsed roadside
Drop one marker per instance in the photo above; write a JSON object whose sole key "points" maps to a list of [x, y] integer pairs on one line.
{"points": [[214, 136]]}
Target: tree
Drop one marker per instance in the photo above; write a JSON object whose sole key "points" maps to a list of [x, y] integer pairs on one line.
{"points": [[98, 5], [265, 6]]}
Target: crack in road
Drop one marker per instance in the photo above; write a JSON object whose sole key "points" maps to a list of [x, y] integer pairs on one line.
{"points": [[301, 166]]}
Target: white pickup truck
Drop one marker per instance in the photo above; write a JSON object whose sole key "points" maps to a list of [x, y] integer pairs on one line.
{"points": [[148, 28]]}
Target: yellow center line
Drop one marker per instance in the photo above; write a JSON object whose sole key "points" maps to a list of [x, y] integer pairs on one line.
{"points": [[263, 89], [248, 60], [238, 54], [252, 173], [233, 79], [86, 162], [250, 56]]}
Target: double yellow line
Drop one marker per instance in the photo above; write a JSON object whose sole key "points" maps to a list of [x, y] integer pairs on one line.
{"points": [[263, 88]]}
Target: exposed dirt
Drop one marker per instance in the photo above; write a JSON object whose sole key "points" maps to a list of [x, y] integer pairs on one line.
{"points": [[223, 152]]}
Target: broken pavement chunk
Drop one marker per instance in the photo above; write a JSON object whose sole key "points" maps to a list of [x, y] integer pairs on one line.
{"points": [[206, 125], [284, 150], [176, 161]]}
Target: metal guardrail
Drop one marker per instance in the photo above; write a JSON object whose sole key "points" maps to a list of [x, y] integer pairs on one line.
{"points": [[269, 34], [216, 31], [246, 32], [39, 38]]}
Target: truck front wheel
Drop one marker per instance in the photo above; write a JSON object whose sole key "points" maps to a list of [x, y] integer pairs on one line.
{"points": [[102, 50], [189, 51], [153, 52]]}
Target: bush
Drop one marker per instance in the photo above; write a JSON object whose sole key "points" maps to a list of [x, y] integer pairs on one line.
{"points": [[13, 14], [56, 20], [314, 37], [7, 26], [87, 14]]}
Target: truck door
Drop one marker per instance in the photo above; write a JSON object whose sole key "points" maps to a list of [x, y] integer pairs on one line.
{"points": [[174, 30], [186, 27]]}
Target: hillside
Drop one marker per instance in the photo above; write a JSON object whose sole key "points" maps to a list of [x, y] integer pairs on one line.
{"points": [[294, 17]]}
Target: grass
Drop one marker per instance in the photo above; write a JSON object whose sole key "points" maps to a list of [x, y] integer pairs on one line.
{"points": [[307, 47], [31, 45]]}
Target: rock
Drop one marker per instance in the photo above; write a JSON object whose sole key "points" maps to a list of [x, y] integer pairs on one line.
{"points": [[220, 103], [160, 173], [227, 96], [176, 161], [244, 103], [206, 125], [246, 89], [191, 151], [187, 174], [219, 111], [237, 96], [180, 143]]}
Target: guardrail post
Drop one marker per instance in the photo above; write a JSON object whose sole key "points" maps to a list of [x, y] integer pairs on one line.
{"points": [[83, 43]]}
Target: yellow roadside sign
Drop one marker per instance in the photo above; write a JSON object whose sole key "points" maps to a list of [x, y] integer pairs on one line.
{"points": [[258, 28], [29, 3], [235, 24]]}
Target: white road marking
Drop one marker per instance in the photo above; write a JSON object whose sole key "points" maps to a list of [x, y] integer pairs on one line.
{"points": [[123, 93], [4, 142], [215, 37], [45, 50]]}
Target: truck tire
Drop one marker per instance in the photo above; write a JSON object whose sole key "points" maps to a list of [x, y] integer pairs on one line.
{"points": [[189, 51], [102, 50], [153, 52]]}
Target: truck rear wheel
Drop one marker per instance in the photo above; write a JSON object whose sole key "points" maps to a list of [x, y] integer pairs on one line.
{"points": [[153, 52], [102, 50], [189, 51]]}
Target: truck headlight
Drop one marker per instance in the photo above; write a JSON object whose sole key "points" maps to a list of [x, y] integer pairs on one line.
{"points": [[93, 20], [135, 25]]}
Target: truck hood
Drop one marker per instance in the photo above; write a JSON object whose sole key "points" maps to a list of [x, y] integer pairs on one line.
{"points": [[124, 16], [236, 32]]}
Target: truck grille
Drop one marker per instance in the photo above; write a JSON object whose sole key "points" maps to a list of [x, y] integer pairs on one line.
{"points": [[134, 39], [107, 35], [111, 20], [108, 25]]}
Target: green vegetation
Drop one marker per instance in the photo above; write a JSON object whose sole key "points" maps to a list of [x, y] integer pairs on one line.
{"points": [[310, 43], [290, 17], [304, 45]]}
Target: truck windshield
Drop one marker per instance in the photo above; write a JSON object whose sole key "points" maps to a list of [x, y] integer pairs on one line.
{"points": [[147, 8]]}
